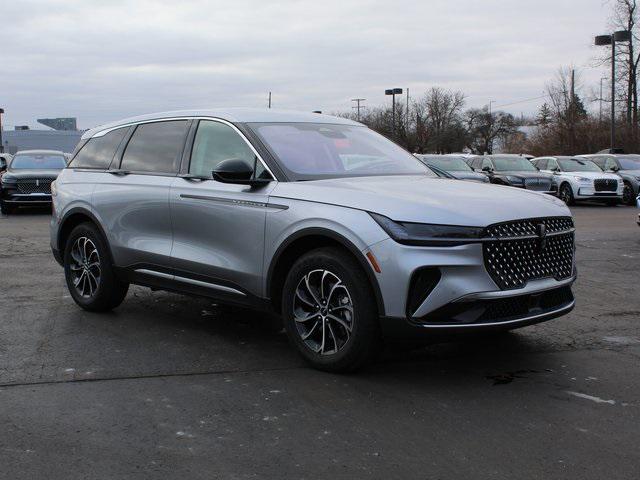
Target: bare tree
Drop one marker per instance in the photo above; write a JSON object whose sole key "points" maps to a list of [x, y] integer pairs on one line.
{"points": [[438, 115], [484, 128]]}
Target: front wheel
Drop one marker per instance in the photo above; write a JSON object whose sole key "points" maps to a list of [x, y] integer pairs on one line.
{"points": [[329, 311], [627, 195], [5, 209], [566, 194], [90, 277]]}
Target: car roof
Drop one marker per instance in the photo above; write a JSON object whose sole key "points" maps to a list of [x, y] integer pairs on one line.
{"points": [[40, 152], [233, 115]]}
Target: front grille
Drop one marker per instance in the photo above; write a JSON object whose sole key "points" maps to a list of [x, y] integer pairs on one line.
{"points": [[537, 184], [520, 253], [34, 186], [605, 185]]}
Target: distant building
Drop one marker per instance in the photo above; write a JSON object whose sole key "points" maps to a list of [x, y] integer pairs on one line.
{"points": [[64, 140]]}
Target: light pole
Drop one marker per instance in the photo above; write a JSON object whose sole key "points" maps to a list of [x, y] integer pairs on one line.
{"points": [[393, 92], [619, 36], [1, 144], [600, 114]]}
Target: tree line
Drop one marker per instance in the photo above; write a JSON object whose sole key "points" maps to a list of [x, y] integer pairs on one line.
{"points": [[571, 120]]}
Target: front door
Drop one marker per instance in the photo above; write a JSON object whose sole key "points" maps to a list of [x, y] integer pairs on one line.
{"points": [[218, 227]]}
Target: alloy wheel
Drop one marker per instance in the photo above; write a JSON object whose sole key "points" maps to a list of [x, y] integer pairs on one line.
{"points": [[323, 312], [85, 267], [627, 194], [565, 194]]}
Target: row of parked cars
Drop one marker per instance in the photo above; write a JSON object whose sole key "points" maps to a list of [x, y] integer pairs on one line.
{"points": [[608, 178]]}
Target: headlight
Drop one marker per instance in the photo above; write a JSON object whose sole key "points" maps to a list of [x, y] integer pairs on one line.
{"points": [[583, 179], [9, 180], [424, 233], [515, 180]]}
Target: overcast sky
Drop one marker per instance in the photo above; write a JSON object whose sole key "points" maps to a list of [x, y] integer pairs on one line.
{"points": [[104, 60]]}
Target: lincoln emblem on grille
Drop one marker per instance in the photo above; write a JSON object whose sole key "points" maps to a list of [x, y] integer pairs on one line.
{"points": [[37, 183], [541, 231]]}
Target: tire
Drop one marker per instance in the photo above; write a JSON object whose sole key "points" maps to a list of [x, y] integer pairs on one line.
{"points": [[566, 194], [628, 198], [89, 273], [6, 209], [351, 338]]}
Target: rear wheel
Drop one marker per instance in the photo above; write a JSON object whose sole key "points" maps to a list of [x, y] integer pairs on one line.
{"points": [[90, 277], [329, 311], [566, 194]]}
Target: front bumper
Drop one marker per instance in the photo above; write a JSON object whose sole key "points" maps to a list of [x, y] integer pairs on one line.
{"points": [[465, 297], [17, 199], [589, 193]]}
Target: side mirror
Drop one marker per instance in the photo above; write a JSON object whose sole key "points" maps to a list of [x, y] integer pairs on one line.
{"points": [[615, 168], [487, 169], [555, 170], [236, 171]]}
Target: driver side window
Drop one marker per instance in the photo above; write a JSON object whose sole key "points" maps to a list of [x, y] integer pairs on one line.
{"points": [[552, 164], [486, 163], [609, 164], [215, 142]]}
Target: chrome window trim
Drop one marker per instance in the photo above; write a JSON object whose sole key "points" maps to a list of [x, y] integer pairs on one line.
{"points": [[215, 119]]}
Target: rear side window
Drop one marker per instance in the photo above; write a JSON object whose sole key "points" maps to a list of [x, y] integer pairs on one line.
{"points": [[99, 151], [155, 147]]}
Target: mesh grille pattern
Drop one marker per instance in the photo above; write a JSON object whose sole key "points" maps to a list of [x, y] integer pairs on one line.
{"points": [[523, 228], [605, 185], [512, 262], [537, 184], [34, 186], [507, 308]]}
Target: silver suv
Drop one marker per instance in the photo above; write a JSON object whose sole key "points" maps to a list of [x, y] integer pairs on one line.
{"points": [[319, 219]]}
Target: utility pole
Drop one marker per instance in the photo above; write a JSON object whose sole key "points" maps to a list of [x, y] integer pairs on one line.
{"points": [[269, 99], [357, 107], [600, 114]]}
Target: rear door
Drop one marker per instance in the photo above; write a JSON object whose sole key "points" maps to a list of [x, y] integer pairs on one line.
{"points": [[132, 198], [219, 227]]}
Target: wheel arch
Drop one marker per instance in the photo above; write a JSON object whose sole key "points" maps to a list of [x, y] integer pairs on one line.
{"points": [[72, 219], [304, 241]]}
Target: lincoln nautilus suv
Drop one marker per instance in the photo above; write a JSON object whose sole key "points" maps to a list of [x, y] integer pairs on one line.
{"points": [[320, 220]]}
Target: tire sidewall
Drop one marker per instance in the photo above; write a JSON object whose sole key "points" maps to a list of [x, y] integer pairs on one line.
{"points": [[364, 332], [86, 230]]}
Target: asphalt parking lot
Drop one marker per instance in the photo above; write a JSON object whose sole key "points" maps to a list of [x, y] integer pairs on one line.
{"points": [[175, 387]]}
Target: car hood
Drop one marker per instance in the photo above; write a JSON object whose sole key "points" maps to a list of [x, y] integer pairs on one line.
{"points": [[479, 177], [426, 200], [634, 173], [519, 174], [28, 173], [592, 175]]}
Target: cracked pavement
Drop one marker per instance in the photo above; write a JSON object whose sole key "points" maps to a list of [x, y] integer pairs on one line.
{"points": [[175, 387]]}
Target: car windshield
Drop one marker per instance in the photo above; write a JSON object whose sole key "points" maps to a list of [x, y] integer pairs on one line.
{"points": [[446, 163], [40, 162], [308, 151], [571, 165], [629, 162], [513, 164]]}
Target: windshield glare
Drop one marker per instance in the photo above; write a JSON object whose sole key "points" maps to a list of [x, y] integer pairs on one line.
{"points": [[40, 162], [579, 166], [513, 164], [446, 163], [308, 151], [629, 162]]}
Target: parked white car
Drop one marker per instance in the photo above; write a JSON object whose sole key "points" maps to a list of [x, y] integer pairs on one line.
{"points": [[581, 179]]}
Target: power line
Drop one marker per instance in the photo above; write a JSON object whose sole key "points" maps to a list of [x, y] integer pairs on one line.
{"points": [[522, 101]]}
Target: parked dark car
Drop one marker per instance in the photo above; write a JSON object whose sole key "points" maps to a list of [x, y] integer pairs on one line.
{"points": [[27, 180], [455, 166], [626, 166], [515, 171]]}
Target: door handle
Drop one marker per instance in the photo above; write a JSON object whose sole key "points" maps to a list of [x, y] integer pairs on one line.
{"points": [[119, 172], [192, 178]]}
